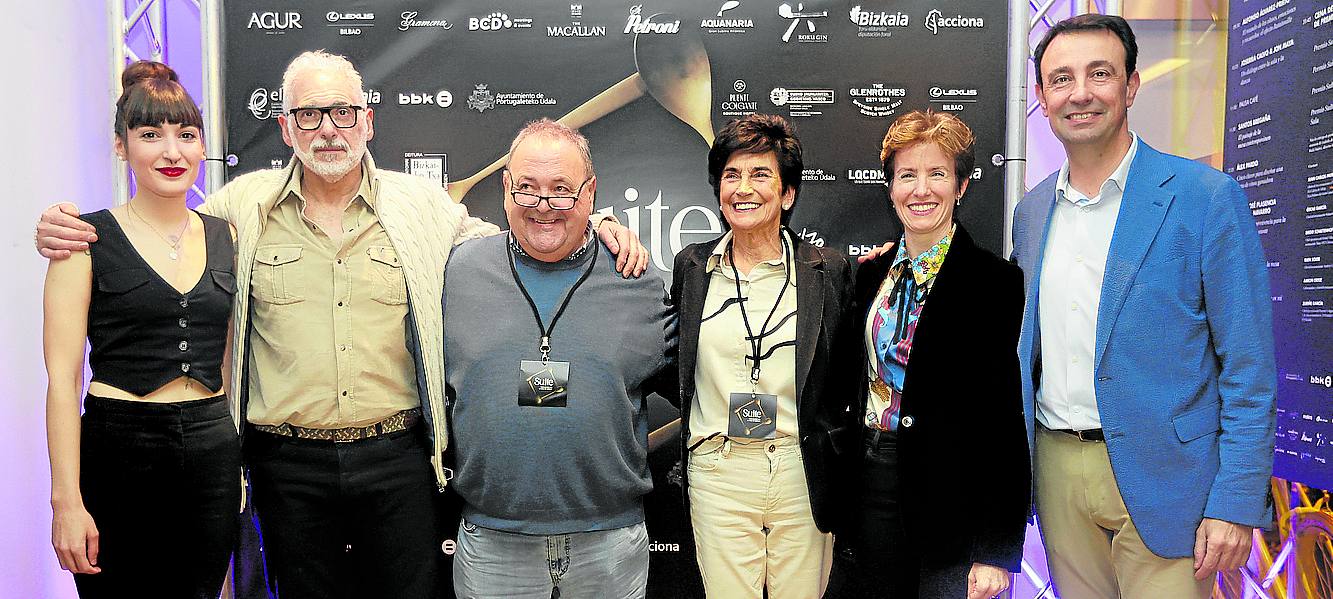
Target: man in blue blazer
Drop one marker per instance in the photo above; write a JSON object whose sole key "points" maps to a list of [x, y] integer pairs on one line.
{"points": [[1146, 348]]}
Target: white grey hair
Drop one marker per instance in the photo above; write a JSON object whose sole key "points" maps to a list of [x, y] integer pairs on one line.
{"points": [[317, 60]]}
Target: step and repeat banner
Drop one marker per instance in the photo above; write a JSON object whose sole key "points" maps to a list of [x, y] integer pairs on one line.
{"points": [[649, 83], [1279, 146]]}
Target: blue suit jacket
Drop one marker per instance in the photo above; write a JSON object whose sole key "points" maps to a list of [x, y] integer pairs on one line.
{"points": [[1184, 352]]}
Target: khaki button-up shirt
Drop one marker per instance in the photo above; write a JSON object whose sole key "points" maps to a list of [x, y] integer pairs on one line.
{"points": [[722, 367], [328, 326]]}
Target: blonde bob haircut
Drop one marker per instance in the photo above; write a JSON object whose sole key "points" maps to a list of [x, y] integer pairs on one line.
{"points": [[943, 129]]}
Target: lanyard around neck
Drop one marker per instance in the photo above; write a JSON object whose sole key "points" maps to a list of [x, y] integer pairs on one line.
{"points": [[757, 341], [545, 346]]}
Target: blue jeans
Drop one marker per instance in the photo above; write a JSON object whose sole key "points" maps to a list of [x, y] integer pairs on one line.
{"points": [[610, 564]]}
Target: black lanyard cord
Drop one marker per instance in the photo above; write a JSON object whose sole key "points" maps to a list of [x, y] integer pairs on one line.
{"points": [[545, 346], [757, 341]]}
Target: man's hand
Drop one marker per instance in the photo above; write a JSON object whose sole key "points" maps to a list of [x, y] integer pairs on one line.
{"points": [[1220, 546], [985, 581], [875, 253], [60, 232], [631, 256]]}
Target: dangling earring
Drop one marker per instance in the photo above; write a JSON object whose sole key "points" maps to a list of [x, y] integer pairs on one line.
{"points": [[958, 201]]}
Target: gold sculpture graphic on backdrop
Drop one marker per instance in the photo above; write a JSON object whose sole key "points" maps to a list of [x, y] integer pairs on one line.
{"points": [[672, 68]]}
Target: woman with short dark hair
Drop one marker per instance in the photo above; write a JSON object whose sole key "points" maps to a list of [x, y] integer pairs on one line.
{"points": [[146, 485], [764, 394]]}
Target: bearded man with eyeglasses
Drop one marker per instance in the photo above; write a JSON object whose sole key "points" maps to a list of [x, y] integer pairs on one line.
{"points": [[337, 370]]}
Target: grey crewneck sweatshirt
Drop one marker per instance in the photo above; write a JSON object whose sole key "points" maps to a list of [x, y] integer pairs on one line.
{"points": [[548, 470]]}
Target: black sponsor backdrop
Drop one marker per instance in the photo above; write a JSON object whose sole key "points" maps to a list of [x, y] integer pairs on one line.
{"points": [[847, 70], [1279, 146]]}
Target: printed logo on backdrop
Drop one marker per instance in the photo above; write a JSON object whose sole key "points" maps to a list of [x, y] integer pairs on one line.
{"points": [[738, 102], [410, 21], [817, 175], [274, 23], [683, 223], [442, 98], [726, 21], [265, 104], [876, 24], [431, 165], [866, 176], [497, 21], [637, 23], [801, 102], [936, 20], [877, 100], [576, 27], [811, 237], [953, 99], [799, 17], [483, 98], [350, 23]]}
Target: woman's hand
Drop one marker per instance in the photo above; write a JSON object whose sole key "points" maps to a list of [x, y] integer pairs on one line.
{"points": [[74, 537], [986, 581]]}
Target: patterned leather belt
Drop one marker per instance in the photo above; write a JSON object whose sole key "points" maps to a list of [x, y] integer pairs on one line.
{"points": [[401, 421]]}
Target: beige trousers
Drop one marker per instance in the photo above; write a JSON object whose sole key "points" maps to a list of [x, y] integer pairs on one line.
{"points": [[1092, 547], [750, 509]]}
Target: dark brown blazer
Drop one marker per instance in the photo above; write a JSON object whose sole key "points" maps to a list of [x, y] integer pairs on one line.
{"points": [[824, 371], [964, 470]]}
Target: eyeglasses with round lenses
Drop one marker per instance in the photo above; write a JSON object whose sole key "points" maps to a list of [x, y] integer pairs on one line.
{"points": [[309, 118], [527, 199]]}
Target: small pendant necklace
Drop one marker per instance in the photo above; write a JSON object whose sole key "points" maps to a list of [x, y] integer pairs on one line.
{"points": [[175, 246]]}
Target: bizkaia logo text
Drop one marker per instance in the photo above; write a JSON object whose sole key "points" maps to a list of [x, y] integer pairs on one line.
{"points": [[442, 98], [274, 23], [726, 22], [575, 28], [350, 23], [637, 23], [936, 20], [266, 104], [797, 16], [410, 21], [876, 24], [497, 21]]}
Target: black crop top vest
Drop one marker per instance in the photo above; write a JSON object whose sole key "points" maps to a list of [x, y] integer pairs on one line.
{"points": [[143, 332]]}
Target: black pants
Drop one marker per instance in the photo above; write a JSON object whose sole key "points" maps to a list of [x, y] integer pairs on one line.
{"points": [[888, 564], [353, 519], [162, 482]]}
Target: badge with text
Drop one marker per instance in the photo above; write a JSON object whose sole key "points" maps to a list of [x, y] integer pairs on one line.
{"points": [[544, 385], [753, 416]]}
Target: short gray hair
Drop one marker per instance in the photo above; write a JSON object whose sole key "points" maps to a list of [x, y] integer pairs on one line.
{"points": [[318, 60], [550, 129]]}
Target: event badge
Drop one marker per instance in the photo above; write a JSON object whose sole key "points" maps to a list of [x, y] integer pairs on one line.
{"points": [[753, 416], [543, 384]]}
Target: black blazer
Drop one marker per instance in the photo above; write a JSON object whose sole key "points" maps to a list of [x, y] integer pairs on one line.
{"points": [[964, 470], [825, 315]]}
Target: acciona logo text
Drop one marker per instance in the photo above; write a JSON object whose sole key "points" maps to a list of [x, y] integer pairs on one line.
{"points": [[935, 20]]}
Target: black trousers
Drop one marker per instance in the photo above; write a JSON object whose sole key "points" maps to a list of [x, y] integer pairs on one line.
{"points": [[162, 482], [888, 565], [353, 519]]}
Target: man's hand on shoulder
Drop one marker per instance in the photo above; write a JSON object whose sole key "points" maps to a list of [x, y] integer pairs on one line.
{"points": [[631, 256], [60, 232], [1220, 546]]}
